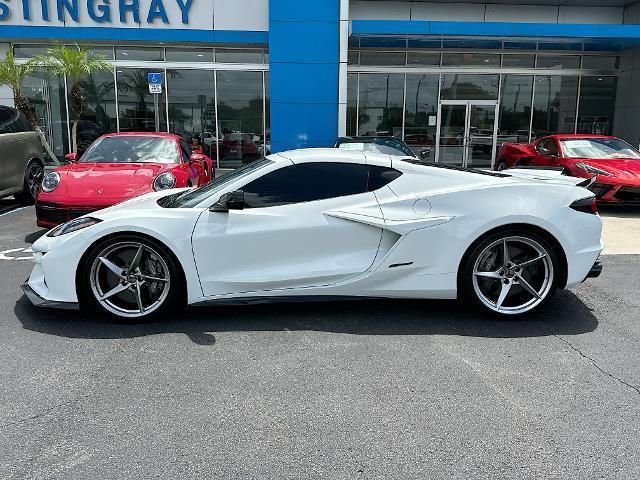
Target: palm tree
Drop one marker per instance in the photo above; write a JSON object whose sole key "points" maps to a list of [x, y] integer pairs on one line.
{"points": [[12, 75], [76, 63]]}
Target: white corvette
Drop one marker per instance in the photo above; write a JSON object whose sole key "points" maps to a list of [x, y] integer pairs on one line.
{"points": [[327, 223]]}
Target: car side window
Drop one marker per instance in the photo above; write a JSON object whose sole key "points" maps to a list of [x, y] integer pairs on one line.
{"points": [[550, 144], [381, 176], [184, 149], [306, 182], [7, 120]]}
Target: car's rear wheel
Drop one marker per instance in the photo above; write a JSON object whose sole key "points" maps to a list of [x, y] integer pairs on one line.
{"points": [[501, 165], [132, 278], [31, 183], [511, 273]]}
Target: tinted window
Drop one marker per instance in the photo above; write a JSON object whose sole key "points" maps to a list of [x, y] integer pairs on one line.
{"points": [[550, 144], [305, 183], [12, 121], [381, 176]]}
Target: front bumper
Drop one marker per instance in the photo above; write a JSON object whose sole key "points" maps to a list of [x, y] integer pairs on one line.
{"points": [[51, 215], [38, 301]]}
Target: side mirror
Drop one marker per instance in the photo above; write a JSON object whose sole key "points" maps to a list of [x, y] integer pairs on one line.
{"points": [[229, 201], [424, 154], [71, 157]]}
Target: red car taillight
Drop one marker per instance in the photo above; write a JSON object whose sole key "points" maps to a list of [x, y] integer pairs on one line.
{"points": [[585, 205]]}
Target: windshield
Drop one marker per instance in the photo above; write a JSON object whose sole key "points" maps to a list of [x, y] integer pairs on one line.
{"points": [[387, 147], [132, 149], [191, 198], [598, 148]]}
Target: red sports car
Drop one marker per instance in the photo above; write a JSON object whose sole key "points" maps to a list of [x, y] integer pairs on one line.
{"points": [[117, 167], [614, 163]]}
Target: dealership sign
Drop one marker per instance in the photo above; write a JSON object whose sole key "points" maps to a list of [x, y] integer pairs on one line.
{"points": [[99, 11]]}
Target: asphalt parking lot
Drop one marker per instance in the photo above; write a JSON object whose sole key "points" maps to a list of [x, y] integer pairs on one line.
{"points": [[377, 389]]}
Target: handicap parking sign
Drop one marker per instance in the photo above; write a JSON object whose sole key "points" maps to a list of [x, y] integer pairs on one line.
{"points": [[155, 82]]}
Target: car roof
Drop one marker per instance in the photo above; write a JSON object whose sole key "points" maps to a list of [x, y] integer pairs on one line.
{"points": [[306, 155], [371, 139], [170, 136]]}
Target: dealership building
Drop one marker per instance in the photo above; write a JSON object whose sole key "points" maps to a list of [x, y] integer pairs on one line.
{"points": [[256, 76]]}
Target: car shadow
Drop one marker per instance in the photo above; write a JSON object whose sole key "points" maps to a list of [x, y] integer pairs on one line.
{"points": [[619, 211], [566, 314]]}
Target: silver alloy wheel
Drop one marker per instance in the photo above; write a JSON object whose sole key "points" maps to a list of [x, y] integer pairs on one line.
{"points": [[513, 275], [130, 279], [35, 172]]}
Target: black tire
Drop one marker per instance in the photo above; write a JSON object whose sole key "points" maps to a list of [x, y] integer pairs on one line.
{"points": [[501, 165], [31, 183], [478, 292], [174, 299]]}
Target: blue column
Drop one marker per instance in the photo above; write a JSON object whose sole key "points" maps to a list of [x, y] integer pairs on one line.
{"points": [[304, 60]]}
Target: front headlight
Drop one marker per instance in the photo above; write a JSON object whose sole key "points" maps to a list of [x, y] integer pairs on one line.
{"points": [[592, 169], [73, 226], [164, 181], [50, 182]]}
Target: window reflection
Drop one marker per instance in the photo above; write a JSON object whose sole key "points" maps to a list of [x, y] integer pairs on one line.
{"points": [[240, 117], [381, 104], [352, 105], [47, 96], [99, 114], [457, 86], [597, 105], [515, 108], [421, 111], [136, 107], [192, 107], [555, 101]]}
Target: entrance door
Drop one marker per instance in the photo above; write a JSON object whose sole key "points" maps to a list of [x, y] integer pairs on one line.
{"points": [[467, 133]]}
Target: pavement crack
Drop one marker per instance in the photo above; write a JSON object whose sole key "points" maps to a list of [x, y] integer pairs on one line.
{"points": [[593, 362], [46, 412]]}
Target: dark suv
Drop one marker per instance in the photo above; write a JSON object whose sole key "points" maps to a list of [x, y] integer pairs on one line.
{"points": [[385, 145], [21, 157]]}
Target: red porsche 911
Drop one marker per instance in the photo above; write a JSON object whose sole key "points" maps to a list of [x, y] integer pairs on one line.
{"points": [[117, 167], [614, 163]]}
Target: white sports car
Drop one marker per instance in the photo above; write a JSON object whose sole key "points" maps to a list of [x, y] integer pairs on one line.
{"points": [[327, 223]]}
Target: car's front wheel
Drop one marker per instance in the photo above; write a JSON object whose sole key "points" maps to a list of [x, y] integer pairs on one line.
{"points": [[132, 278], [510, 273], [31, 183]]}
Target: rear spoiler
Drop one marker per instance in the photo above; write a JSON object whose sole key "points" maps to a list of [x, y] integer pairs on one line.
{"points": [[558, 174]]}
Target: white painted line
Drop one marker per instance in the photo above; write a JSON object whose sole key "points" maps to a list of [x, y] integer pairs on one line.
{"points": [[12, 211]]}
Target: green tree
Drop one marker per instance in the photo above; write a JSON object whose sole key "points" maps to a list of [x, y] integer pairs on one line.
{"points": [[12, 75], [76, 63]]}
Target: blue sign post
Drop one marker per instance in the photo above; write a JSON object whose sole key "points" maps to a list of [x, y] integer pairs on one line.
{"points": [[155, 87]]}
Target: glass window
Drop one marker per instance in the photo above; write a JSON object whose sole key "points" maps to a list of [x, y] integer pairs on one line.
{"points": [[597, 105], [148, 54], [352, 105], [47, 97], [554, 109], [132, 149], [192, 107], [352, 58], [515, 108], [136, 107], [236, 55], [369, 57], [189, 55], [518, 61], [28, 51], [11, 121], [381, 104], [239, 117], [421, 111], [600, 62], [423, 59], [558, 62], [266, 147], [470, 60], [306, 182], [599, 148], [99, 109], [550, 144], [457, 86], [381, 176]]}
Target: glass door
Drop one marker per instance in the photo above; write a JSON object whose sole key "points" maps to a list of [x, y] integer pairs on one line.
{"points": [[467, 133], [451, 145]]}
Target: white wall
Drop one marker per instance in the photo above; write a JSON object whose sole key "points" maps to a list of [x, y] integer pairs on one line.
{"points": [[480, 12]]}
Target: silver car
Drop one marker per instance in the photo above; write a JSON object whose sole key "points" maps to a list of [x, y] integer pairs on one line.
{"points": [[21, 157]]}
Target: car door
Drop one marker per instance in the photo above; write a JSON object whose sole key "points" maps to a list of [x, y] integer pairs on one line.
{"points": [[14, 148], [285, 238], [547, 153]]}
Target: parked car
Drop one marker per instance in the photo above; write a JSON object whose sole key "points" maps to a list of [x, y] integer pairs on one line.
{"points": [[21, 157], [239, 146], [613, 162], [117, 167], [380, 144], [327, 223]]}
